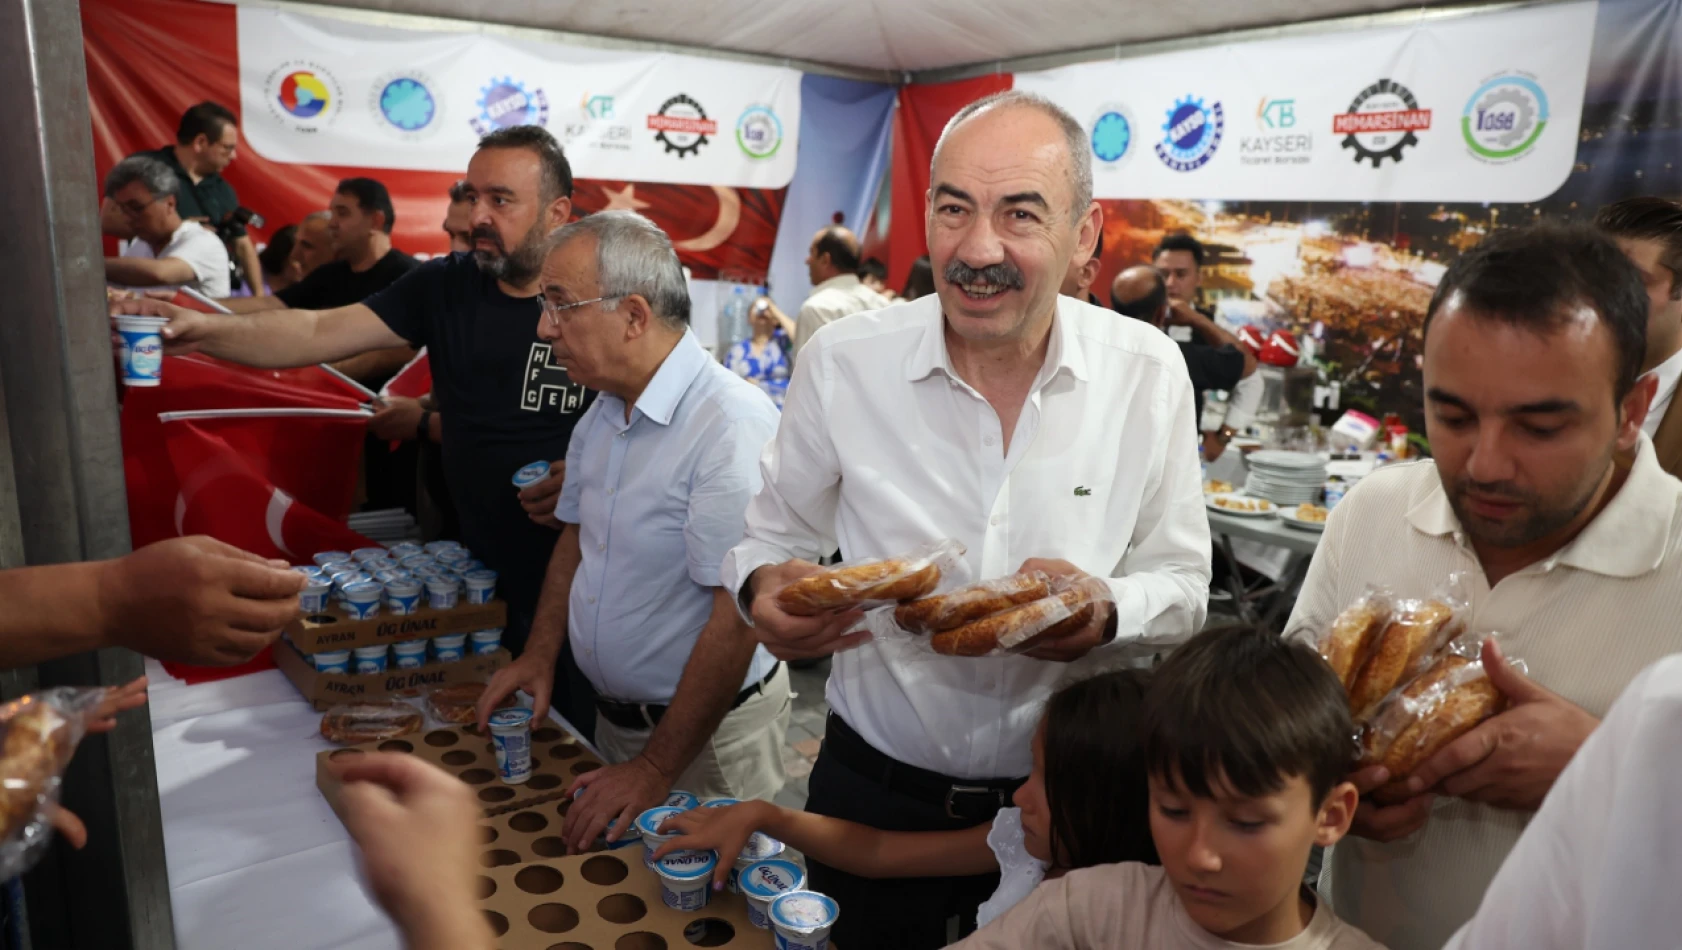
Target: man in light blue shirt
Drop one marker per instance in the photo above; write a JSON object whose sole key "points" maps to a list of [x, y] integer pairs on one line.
{"points": [[659, 474]]}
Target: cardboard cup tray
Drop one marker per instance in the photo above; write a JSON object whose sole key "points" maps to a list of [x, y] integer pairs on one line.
{"points": [[326, 690], [332, 630], [557, 759]]}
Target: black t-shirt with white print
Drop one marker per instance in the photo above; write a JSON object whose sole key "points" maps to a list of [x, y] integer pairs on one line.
{"points": [[504, 404]]}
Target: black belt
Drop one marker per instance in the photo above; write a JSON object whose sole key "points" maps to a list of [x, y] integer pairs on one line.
{"points": [[647, 715], [964, 799]]}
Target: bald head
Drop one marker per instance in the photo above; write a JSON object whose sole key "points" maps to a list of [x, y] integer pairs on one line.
{"points": [[1140, 292], [834, 251], [1062, 128]]}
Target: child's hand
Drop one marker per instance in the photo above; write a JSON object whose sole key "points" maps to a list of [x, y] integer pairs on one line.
{"points": [[725, 829]]}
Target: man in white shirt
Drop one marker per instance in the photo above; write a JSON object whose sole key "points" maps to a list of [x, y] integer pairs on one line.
{"points": [[658, 473], [166, 251], [1596, 868], [1547, 498], [1040, 432], [1649, 231], [832, 263]]}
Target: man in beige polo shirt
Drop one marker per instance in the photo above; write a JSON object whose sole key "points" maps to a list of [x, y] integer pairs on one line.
{"points": [[1547, 494]]}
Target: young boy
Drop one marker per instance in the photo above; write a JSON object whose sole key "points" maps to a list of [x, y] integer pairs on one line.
{"points": [[1247, 739]]}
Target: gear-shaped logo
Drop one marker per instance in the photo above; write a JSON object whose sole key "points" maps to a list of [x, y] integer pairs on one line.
{"points": [[1191, 134], [1381, 121], [1504, 118], [1111, 132], [682, 126], [506, 102]]}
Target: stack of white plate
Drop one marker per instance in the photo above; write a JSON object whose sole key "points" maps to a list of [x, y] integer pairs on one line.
{"points": [[1285, 478]]}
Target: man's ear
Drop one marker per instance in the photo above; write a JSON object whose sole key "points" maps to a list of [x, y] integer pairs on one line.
{"points": [[639, 316], [1335, 814], [1633, 410], [559, 212]]}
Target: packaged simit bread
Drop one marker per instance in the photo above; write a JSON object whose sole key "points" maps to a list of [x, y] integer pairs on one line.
{"points": [[42, 731], [1417, 631], [956, 608], [368, 722], [1438, 707], [1352, 635], [872, 582]]}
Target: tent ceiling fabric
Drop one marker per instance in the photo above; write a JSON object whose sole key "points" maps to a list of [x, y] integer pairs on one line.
{"points": [[899, 35]]}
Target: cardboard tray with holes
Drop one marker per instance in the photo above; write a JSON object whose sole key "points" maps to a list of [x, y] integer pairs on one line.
{"points": [[534, 896], [332, 630]]}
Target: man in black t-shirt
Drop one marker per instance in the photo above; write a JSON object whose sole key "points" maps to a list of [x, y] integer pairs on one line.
{"points": [[1140, 292], [502, 400]]}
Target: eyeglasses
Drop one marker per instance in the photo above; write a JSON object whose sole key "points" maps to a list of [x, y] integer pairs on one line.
{"points": [[553, 310]]}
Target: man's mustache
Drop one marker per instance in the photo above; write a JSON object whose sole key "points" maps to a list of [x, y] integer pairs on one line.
{"points": [[1003, 274], [487, 234]]}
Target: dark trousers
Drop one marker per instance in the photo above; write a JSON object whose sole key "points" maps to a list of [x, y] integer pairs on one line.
{"points": [[390, 477], [890, 914]]}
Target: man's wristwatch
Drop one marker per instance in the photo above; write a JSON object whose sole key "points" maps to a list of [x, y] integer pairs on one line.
{"points": [[423, 431]]}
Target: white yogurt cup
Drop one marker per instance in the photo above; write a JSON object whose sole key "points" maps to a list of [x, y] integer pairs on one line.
{"points": [[720, 802], [759, 847], [371, 659], [364, 555], [511, 735], [471, 564], [362, 599], [375, 565], [142, 355], [393, 574], [449, 648], [648, 826], [442, 592], [343, 579], [486, 642], [433, 547], [686, 879], [333, 661], [403, 549], [402, 596], [802, 920], [763, 882], [531, 474], [481, 585], [451, 556], [682, 799], [327, 557], [317, 590], [410, 654], [414, 561]]}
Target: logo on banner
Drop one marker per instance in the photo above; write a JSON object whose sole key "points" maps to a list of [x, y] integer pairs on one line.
{"points": [[1111, 130], [407, 103], [1191, 134], [506, 102], [682, 126], [303, 95], [1279, 140], [593, 127], [1504, 118], [759, 133], [1381, 121]]}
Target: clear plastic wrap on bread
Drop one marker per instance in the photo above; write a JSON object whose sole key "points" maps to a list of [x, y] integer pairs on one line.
{"points": [[1346, 644], [955, 608], [42, 731], [1452, 695], [873, 582], [1069, 605], [458, 703], [351, 723], [1415, 634]]}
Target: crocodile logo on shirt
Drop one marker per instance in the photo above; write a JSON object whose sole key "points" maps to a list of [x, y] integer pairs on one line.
{"points": [[547, 387], [1081, 491]]}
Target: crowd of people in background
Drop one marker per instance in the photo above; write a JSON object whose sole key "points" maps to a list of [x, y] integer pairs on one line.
{"points": [[1129, 782]]}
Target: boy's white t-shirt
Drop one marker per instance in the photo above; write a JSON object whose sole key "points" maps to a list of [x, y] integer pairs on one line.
{"points": [[1019, 871], [1130, 907], [200, 248]]}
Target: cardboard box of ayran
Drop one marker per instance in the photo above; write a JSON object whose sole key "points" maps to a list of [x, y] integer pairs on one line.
{"points": [[325, 690], [332, 630]]}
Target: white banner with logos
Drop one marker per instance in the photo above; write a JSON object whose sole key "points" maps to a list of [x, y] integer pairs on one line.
{"points": [[1483, 108], [324, 91]]}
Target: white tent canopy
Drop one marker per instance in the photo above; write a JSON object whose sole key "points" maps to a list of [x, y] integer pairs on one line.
{"points": [[890, 36]]}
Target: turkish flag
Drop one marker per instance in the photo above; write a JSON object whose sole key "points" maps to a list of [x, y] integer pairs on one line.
{"points": [[413, 381]]}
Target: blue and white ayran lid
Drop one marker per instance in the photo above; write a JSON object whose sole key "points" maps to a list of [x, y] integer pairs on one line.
{"points": [[765, 880], [508, 718], [720, 802], [363, 591], [687, 865], [682, 799], [804, 911], [481, 576], [649, 822], [530, 474], [759, 847]]}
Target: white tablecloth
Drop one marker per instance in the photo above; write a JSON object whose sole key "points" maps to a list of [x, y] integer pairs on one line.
{"points": [[257, 860]]}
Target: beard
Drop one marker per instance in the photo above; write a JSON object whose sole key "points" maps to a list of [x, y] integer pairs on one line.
{"points": [[519, 267], [1536, 517]]}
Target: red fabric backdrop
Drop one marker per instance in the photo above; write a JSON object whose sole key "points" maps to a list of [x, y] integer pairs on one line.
{"points": [[148, 60]]}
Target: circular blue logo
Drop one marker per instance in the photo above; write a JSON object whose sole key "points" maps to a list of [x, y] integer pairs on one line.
{"points": [[407, 104], [1191, 134], [1112, 136], [506, 103]]}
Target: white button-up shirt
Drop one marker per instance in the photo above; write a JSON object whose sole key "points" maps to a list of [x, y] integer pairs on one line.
{"points": [[658, 501], [883, 447], [837, 297], [1669, 374]]}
